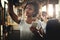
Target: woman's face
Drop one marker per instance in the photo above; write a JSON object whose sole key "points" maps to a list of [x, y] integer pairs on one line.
{"points": [[29, 10]]}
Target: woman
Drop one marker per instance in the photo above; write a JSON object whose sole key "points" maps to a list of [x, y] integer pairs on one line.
{"points": [[44, 20], [27, 30]]}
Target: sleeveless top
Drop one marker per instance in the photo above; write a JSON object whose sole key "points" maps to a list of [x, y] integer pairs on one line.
{"points": [[25, 33]]}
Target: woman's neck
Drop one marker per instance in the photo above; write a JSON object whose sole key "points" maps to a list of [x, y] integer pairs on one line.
{"points": [[29, 20]]}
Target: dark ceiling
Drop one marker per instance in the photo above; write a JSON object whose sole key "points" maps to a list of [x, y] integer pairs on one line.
{"points": [[16, 2]]}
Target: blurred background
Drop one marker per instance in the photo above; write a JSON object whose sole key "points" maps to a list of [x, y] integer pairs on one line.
{"points": [[49, 8]]}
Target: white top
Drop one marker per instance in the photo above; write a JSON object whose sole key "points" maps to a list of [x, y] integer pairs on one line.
{"points": [[44, 26], [25, 33]]}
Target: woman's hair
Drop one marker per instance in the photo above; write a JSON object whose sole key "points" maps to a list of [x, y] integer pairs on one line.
{"points": [[36, 7], [53, 29]]}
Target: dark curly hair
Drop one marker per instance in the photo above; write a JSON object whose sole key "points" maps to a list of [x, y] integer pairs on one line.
{"points": [[36, 7]]}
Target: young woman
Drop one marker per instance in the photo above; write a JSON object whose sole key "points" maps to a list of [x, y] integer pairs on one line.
{"points": [[28, 29]]}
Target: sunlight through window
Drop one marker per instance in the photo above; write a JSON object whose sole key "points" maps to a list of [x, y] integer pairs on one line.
{"points": [[50, 10]]}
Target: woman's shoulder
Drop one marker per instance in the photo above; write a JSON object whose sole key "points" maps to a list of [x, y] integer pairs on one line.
{"points": [[38, 21]]}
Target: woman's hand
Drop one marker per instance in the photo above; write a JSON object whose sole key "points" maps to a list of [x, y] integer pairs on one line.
{"points": [[33, 29]]}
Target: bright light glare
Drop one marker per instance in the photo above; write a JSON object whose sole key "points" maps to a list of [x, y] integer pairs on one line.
{"points": [[44, 8], [2, 2], [50, 10], [57, 11]]}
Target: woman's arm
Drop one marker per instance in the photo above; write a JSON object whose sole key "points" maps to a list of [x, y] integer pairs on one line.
{"points": [[12, 14], [41, 31]]}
